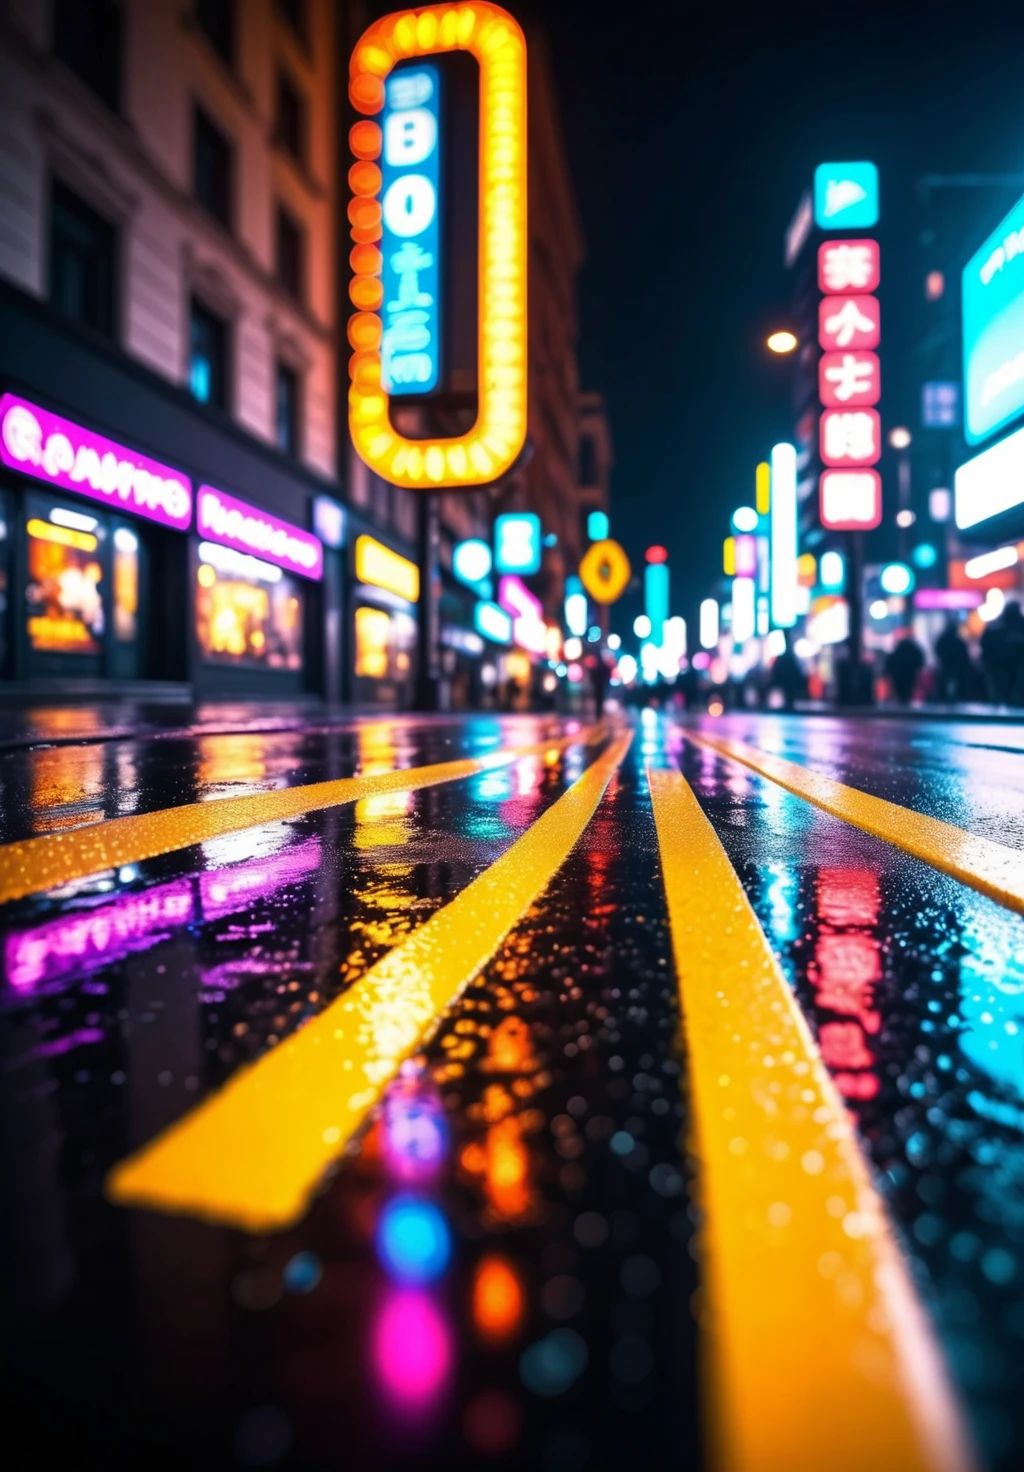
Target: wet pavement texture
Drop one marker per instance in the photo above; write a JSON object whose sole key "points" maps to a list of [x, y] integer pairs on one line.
{"points": [[505, 1267]]}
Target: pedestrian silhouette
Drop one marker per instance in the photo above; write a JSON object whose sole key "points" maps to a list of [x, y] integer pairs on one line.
{"points": [[903, 666], [1002, 654], [788, 677], [954, 664]]}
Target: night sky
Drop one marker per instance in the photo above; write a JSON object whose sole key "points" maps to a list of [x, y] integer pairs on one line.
{"points": [[691, 132]]}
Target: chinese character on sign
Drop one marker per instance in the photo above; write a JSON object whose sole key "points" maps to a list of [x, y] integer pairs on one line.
{"points": [[851, 500], [850, 438], [849, 378], [849, 265], [848, 322]]}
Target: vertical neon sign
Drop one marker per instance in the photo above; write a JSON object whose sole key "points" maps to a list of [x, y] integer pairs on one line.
{"points": [[411, 238], [783, 536]]}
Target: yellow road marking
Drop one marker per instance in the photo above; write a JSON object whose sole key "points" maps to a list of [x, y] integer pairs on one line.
{"points": [[990, 867], [36, 864], [821, 1356], [251, 1155]]}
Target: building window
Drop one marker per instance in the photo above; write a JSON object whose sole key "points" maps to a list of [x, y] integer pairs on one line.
{"points": [[82, 251], [212, 168], [248, 612], [291, 118], [295, 12], [208, 357], [286, 409], [290, 254], [87, 38], [216, 19]]}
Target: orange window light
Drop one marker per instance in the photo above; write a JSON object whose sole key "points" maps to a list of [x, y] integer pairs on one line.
{"points": [[483, 454]]}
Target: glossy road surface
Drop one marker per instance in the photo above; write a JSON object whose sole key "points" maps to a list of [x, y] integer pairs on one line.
{"points": [[512, 1091]]}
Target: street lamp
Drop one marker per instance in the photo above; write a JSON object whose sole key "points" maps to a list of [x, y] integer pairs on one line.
{"points": [[900, 438], [781, 342]]}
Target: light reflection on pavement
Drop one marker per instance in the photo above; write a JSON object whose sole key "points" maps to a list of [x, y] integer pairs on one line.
{"points": [[505, 1266]]}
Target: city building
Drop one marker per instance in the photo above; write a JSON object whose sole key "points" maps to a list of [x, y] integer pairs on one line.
{"points": [[168, 309]]}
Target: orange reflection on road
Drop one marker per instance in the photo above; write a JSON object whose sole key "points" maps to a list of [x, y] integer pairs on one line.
{"points": [[499, 1304]]}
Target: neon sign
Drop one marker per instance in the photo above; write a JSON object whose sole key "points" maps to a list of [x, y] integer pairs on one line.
{"points": [[517, 542], [850, 500], [605, 571], [846, 196], [411, 240], [528, 627], [62, 453], [233, 523], [993, 328], [487, 450]]}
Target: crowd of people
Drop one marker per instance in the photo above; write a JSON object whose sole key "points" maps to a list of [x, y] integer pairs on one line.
{"points": [[956, 677]]}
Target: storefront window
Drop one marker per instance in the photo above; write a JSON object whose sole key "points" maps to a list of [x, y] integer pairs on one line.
{"points": [[126, 584], [248, 612], [64, 594]]}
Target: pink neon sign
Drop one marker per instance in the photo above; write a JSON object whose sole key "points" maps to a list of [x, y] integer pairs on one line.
{"points": [[62, 453], [221, 518], [528, 627]]}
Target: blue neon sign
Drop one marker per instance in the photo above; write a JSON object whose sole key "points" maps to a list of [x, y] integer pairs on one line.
{"points": [[411, 239], [845, 196], [517, 542], [993, 320]]}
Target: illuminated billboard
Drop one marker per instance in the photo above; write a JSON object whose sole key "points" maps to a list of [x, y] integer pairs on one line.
{"points": [[487, 450], [991, 483], [410, 350], [846, 196], [993, 330]]}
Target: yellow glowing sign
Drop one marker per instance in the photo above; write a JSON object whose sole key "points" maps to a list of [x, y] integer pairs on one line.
{"points": [[763, 488], [378, 565], [806, 570], [729, 557], [483, 454], [605, 571], [45, 531]]}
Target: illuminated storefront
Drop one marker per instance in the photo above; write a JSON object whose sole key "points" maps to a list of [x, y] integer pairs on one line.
{"points": [[85, 519], [385, 588], [255, 578]]}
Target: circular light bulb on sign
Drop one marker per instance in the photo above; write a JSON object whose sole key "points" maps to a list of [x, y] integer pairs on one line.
{"points": [[605, 571]]}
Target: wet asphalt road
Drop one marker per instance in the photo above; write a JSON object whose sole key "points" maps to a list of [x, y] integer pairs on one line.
{"points": [[537, 1145]]}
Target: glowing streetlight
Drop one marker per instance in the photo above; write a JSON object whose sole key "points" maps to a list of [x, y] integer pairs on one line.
{"points": [[900, 438], [745, 519], [781, 342]]}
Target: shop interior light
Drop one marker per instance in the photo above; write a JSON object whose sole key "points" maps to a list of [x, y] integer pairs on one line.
{"points": [[232, 564], [78, 522], [744, 519], [614, 642], [125, 540], [879, 609], [989, 562], [491, 36]]}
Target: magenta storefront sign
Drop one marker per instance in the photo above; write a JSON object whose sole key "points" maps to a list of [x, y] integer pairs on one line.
{"points": [[220, 518], [62, 453]]}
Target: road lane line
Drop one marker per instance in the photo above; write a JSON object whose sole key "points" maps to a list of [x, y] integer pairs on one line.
{"points": [[991, 868], [35, 864], [820, 1354], [252, 1154]]}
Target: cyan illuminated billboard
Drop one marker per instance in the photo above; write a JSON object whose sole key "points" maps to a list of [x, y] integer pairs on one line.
{"points": [[411, 241], [993, 323]]}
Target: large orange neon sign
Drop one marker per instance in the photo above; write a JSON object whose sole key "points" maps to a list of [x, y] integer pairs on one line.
{"points": [[484, 453]]}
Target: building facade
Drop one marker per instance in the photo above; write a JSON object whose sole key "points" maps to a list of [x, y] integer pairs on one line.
{"points": [[168, 309]]}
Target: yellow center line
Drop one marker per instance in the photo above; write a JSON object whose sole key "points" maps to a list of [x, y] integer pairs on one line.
{"points": [[36, 864], [251, 1156], [992, 868], [820, 1354]]}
